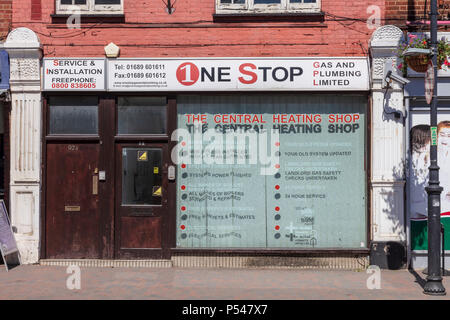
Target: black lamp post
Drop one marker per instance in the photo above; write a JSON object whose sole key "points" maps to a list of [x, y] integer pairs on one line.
{"points": [[434, 284]]}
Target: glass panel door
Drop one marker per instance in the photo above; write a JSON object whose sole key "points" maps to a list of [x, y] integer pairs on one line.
{"points": [[141, 200]]}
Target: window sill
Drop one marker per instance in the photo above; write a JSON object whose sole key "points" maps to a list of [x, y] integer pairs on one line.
{"points": [[90, 18], [269, 17], [72, 137]]}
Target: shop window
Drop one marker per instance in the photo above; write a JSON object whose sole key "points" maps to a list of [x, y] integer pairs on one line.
{"points": [[418, 173], [267, 6], [73, 115], [142, 115], [230, 196], [89, 6]]}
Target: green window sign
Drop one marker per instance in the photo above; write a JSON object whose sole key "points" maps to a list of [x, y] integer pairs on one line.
{"points": [[433, 136]]}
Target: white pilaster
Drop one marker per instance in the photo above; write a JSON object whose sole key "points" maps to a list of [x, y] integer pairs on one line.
{"points": [[388, 141], [24, 51]]}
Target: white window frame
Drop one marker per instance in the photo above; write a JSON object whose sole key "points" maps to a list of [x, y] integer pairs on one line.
{"points": [[89, 8], [285, 6]]}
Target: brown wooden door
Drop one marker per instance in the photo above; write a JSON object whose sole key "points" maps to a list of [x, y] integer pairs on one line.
{"points": [[142, 212], [73, 220]]}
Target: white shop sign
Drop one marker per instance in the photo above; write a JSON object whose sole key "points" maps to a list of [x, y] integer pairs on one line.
{"points": [[203, 74], [240, 74], [74, 74]]}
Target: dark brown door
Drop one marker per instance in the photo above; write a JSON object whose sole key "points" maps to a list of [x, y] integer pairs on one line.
{"points": [[73, 221], [141, 200], [106, 184]]}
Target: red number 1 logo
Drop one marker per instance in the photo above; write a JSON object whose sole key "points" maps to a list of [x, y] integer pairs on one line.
{"points": [[187, 74]]}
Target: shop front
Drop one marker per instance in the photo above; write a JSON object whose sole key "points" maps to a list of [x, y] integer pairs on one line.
{"points": [[147, 157], [418, 152]]}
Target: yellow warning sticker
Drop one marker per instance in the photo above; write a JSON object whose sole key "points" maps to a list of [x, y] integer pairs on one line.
{"points": [[157, 191], [142, 156], [155, 170]]}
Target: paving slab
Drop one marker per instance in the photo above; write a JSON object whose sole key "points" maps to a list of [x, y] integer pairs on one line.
{"points": [[45, 282]]}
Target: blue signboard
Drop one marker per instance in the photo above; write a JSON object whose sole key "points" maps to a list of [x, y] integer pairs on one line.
{"points": [[4, 70]]}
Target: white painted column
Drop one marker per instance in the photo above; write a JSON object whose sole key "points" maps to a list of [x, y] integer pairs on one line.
{"points": [[388, 142], [24, 51]]}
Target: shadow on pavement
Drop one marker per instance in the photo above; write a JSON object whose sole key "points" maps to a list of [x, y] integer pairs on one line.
{"points": [[419, 279], [11, 265]]}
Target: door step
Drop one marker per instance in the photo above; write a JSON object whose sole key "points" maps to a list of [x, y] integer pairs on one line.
{"points": [[319, 262], [97, 263], [324, 262]]}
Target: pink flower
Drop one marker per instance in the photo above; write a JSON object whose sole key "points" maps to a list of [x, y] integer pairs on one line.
{"points": [[400, 66], [412, 36]]}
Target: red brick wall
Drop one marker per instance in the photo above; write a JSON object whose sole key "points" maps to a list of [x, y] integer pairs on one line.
{"points": [[400, 11], [5, 18], [190, 31]]}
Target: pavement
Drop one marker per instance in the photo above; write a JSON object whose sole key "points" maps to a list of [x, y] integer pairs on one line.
{"points": [[45, 282]]}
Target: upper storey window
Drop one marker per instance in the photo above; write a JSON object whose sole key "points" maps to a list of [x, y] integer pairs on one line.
{"points": [[90, 6], [267, 6]]}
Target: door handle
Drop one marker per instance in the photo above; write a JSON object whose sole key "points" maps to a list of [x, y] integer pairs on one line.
{"points": [[171, 173]]}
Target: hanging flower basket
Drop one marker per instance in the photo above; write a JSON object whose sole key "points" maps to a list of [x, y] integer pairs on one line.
{"points": [[418, 63]]}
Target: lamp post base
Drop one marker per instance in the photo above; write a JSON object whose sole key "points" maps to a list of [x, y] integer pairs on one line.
{"points": [[445, 273], [434, 287]]}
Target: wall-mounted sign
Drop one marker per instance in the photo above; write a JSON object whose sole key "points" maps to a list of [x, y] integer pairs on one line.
{"points": [[74, 74], [241, 74], [250, 74]]}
